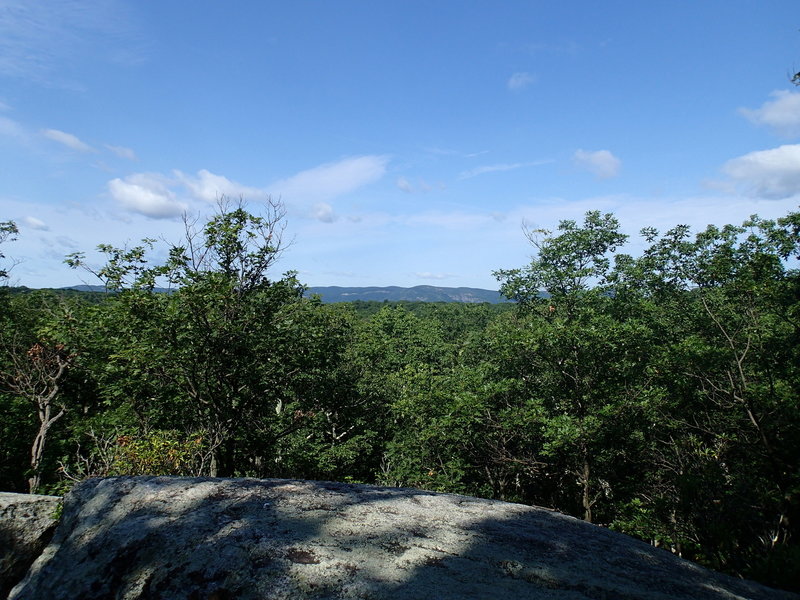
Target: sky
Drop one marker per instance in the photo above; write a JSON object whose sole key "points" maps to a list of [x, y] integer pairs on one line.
{"points": [[411, 143]]}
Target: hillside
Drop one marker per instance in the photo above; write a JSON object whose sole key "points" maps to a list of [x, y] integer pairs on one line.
{"points": [[420, 293], [330, 294]]}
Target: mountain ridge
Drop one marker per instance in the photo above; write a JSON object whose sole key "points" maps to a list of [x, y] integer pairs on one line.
{"points": [[419, 293], [392, 293]]}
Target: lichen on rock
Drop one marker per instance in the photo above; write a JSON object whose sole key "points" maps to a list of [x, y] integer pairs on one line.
{"points": [[198, 539], [27, 522]]}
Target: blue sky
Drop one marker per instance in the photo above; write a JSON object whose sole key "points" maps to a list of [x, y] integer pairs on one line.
{"points": [[409, 141]]}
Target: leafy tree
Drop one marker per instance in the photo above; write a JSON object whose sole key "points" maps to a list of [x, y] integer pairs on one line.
{"points": [[34, 370], [37, 376], [567, 264], [8, 233], [583, 367], [229, 354], [726, 465]]}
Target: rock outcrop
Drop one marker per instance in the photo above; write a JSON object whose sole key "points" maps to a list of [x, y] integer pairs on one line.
{"points": [[27, 523], [214, 539]]}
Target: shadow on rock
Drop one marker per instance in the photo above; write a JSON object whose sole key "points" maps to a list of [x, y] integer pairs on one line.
{"points": [[216, 539], [27, 522]]}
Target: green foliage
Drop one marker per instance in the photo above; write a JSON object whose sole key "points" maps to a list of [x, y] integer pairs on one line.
{"points": [[567, 263], [16, 432], [8, 233], [658, 394], [158, 453], [58, 511]]}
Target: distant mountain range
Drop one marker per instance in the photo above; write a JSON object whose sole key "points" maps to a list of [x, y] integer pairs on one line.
{"points": [[419, 293]]}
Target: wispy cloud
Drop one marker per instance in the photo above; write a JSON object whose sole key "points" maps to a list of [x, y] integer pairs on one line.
{"points": [[601, 163], [322, 211], [781, 114], [11, 128], [564, 47], [122, 152], [772, 174], [438, 276], [38, 38], [450, 220], [447, 152], [520, 80], [67, 243], [499, 168], [35, 223], [209, 186], [332, 179], [403, 184], [421, 186], [67, 139]]}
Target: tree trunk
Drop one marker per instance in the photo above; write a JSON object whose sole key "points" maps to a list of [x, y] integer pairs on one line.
{"points": [[37, 451], [213, 469], [37, 448], [587, 499]]}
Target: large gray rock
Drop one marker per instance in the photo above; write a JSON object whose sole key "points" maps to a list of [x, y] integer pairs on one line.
{"points": [[214, 539], [27, 523]]}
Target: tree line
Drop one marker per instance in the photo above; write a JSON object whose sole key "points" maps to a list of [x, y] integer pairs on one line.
{"points": [[656, 394]]}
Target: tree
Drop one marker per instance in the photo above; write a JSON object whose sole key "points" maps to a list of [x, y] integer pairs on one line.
{"points": [[384, 347], [224, 354], [37, 376], [567, 264], [583, 366], [727, 447], [8, 233], [666, 385], [34, 365]]}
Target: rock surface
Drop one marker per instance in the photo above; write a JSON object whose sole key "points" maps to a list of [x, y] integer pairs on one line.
{"points": [[27, 523], [215, 539]]}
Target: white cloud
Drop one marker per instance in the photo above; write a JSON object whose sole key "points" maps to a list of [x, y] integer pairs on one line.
{"points": [[148, 194], [122, 152], [162, 197], [421, 186], [498, 168], [35, 223], [331, 179], [427, 275], [322, 211], [488, 169], [10, 128], [210, 187], [773, 174], [782, 114], [601, 163], [519, 81], [403, 184], [67, 139]]}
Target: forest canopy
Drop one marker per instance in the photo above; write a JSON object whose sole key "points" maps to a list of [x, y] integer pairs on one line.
{"points": [[655, 394]]}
